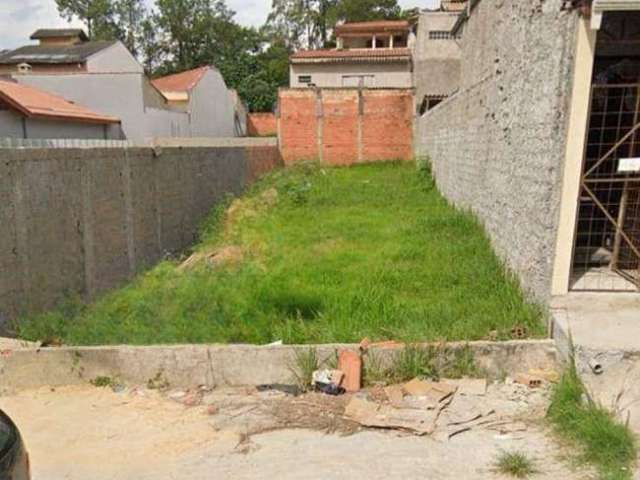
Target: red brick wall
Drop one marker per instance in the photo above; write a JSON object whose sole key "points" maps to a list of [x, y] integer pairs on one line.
{"points": [[298, 125], [261, 124], [345, 126]]}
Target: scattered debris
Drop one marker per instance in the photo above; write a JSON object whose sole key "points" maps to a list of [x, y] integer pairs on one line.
{"points": [[277, 343], [350, 364], [436, 391], [328, 381], [372, 414], [519, 332], [530, 381], [468, 386], [279, 387]]}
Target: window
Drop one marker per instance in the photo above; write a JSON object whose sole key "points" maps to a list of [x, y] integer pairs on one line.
{"points": [[440, 35], [304, 79]]}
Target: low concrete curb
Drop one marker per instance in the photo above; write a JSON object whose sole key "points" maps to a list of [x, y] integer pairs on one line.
{"points": [[234, 365]]}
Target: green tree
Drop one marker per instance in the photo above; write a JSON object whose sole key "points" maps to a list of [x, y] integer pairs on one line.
{"points": [[130, 20], [97, 16], [365, 10]]}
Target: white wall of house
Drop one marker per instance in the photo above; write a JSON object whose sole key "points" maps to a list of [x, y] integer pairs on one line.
{"points": [[385, 75], [114, 59], [436, 62], [119, 95], [212, 107]]}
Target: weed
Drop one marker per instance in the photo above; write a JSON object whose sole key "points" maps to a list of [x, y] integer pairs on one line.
{"points": [[373, 369], [158, 382], [103, 381], [304, 364], [345, 253], [603, 442], [430, 361], [515, 464]]}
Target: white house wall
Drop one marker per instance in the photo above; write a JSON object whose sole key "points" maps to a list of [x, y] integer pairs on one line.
{"points": [[390, 75], [212, 107], [119, 95]]}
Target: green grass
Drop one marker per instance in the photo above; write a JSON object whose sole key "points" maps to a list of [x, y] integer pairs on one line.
{"points": [[602, 441], [342, 253], [515, 464]]}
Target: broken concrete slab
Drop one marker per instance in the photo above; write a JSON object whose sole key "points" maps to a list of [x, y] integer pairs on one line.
{"points": [[468, 386], [372, 414]]}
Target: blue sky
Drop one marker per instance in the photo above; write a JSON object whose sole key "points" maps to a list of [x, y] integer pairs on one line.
{"points": [[19, 18]]}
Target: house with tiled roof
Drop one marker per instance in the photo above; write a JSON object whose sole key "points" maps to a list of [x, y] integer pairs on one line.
{"points": [[368, 54], [214, 110], [66, 50], [27, 112], [105, 77]]}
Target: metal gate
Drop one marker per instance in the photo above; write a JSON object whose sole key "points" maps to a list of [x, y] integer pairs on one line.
{"points": [[607, 244]]}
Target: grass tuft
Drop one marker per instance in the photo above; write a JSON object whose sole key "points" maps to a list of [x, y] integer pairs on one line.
{"points": [[329, 255], [604, 442], [304, 364], [515, 464]]}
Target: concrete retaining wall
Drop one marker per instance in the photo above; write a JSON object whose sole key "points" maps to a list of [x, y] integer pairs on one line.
{"points": [[345, 126], [85, 220], [234, 365], [498, 145]]}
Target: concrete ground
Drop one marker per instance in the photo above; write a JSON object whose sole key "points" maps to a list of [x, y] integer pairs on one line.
{"points": [[85, 432], [599, 321], [605, 331]]}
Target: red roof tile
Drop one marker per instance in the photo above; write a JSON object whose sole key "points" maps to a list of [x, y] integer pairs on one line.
{"points": [[371, 27], [180, 82], [352, 54], [33, 102]]}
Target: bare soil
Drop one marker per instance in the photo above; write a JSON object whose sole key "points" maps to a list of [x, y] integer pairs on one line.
{"points": [[239, 433]]}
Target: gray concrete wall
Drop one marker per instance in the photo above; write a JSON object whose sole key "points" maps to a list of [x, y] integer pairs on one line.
{"points": [[497, 147], [186, 366], [389, 75], [436, 63], [85, 220]]}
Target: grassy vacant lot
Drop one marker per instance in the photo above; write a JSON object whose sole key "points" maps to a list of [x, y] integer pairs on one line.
{"points": [[327, 254]]}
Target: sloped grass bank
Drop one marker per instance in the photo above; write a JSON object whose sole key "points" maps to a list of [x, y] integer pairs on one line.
{"points": [[326, 255]]}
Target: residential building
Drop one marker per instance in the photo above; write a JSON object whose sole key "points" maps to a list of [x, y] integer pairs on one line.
{"points": [[106, 77], [213, 109], [368, 54], [29, 113], [436, 56]]}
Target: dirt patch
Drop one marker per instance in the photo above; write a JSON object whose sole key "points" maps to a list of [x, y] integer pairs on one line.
{"points": [[75, 433], [218, 257]]}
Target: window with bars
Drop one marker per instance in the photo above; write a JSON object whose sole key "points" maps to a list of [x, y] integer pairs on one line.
{"points": [[440, 35], [304, 78]]}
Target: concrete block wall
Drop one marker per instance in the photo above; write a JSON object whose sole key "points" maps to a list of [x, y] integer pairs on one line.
{"points": [[345, 126], [262, 124], [498, 146], [87, 219]]}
